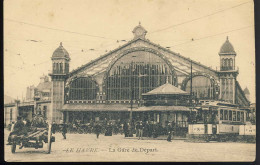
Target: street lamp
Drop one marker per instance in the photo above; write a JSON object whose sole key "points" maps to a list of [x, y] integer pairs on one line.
{"points": [[131, 101]]}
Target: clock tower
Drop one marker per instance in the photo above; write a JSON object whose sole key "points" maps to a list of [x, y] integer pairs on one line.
{"points": [[139, 32]]}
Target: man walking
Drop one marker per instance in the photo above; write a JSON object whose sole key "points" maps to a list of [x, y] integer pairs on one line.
{"points": [[140, 130], [169, 132], [98, 129], [64, 130], [126, 129]]}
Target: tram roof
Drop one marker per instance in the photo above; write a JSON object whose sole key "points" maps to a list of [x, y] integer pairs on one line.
{"points": [[163, 108]]}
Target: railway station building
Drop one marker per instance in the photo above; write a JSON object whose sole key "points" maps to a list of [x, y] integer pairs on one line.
{"points": [[144, 80]]}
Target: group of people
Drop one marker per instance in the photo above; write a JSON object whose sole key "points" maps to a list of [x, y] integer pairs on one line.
{"points": [[153, 129], [140, 128]]}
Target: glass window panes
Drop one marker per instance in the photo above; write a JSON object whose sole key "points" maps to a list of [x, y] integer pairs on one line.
{"points": [[230, 115], [225, 115], [221, 114], [234, 116]]}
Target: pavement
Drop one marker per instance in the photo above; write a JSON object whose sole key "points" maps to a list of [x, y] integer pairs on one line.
{"points": [[87, 148]]}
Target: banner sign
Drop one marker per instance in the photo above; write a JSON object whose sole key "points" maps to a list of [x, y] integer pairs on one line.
{"points": [[247, 130], [196, 129], [226, 128]]}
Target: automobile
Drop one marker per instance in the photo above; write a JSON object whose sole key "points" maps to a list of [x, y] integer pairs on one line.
{"points": [[34, 139]]}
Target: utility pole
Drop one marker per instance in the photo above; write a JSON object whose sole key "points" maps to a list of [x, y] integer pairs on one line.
{"points": [[190, 82], [131, 101], [191, 105]]}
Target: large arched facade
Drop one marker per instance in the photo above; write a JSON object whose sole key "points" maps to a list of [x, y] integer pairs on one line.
{"points": [[81, 88], [137, 71], [204, 86]]}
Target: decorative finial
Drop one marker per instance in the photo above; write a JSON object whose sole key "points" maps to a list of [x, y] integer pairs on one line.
{"points": [[60, 43], [227, 38], [139, 23]]}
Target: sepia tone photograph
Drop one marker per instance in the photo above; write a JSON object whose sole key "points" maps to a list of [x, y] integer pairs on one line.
{"points": [[129, 81]]}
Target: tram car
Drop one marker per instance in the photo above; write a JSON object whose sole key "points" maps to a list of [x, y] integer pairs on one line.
{"points": [[221, 121]]}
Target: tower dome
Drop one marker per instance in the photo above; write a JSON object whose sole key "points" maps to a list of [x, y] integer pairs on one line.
{"points": [[227, 48], [60, 52]]}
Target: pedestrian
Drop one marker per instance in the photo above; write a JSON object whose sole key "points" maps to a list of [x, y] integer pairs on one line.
{"points": [[97, 129], [147, 130], [64, 130], [54, 127], [140, 130], [169, 132], [18, 130], [137, 128], [126, 129], [108, 130]]}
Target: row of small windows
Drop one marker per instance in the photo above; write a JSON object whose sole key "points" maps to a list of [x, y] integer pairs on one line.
{"points": [[232, 115], [227, 64], [58, 68]]}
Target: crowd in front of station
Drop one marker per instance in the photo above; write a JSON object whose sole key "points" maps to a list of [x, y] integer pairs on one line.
{"points": [[140, 129]]}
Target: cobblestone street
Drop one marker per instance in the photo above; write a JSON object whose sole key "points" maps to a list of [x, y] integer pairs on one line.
{"points": [[85, 147]]}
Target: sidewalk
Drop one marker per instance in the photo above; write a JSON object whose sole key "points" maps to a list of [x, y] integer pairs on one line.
{"points": [[162, 137]]}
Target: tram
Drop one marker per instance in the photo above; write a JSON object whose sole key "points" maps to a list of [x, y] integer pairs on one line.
{"points": [[220, 121]]}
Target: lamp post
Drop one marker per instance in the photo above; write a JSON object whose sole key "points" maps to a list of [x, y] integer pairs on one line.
{"points": [[131, 101]]}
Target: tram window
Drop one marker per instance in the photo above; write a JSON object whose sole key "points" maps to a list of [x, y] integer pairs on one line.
{"points": [[221, 114], [242, 116], [234, 115], [225, 115], [238, 116], [230, 115]]}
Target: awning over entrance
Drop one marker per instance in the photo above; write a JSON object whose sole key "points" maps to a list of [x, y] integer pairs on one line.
{"points": [[163, 108], [95, 107]]}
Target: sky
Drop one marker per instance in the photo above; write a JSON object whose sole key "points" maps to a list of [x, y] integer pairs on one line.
{"points": [[33, 29]]}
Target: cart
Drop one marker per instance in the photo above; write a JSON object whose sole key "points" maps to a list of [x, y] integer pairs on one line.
{"points": [[34, 139]]}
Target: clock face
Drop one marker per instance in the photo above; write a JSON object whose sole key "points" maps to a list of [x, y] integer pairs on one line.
{"points": [[139, 32]]}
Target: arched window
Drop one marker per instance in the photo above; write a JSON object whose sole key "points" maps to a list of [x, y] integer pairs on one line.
{"points": [[53, 67], [83, 88], [57, 68], [224, 64], [231, 64], [137, 73], [228, 64], [202, 87], [61, 68]]}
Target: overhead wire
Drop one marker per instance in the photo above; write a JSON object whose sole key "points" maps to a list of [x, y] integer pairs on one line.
{"points": [[56, 29], [192, 20]]}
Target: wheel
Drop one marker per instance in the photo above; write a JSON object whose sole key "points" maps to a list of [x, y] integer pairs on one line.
{"points": [[49, 140], [13, 148], [49, 147]]}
